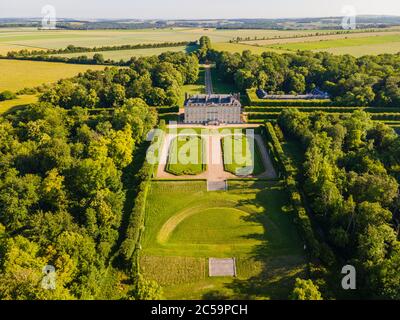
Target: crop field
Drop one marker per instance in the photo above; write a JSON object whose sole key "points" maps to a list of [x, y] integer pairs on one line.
{"points": [[357, 46], [184, 149], [125, 55], [239, 157], [22, 100], [16, 75], [186, 225], [25, 38], [240, 47], [257, 41]]}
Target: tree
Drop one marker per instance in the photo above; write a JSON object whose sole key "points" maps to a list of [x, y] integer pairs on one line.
{"points": [[305, 290], [146, 289]]}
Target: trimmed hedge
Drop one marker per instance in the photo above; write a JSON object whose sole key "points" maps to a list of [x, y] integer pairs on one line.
{"points": [[273, 116], [254, 100], [252, 109], [136, 220], [130, 245], [167, 109], [302, 220]]}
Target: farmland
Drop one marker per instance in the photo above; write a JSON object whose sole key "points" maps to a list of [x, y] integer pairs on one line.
{"points": [[352, 45], [21, 101], [257, 41], [16, 75], [20, 38], [185, 225], [125, 55]]}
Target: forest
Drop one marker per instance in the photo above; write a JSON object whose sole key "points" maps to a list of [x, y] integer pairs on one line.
{"points": [[350, 177], [68, 179], [156, 80], [364, 81]]}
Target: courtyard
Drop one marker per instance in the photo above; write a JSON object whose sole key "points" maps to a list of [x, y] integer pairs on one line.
{"points": [[216, 155]]}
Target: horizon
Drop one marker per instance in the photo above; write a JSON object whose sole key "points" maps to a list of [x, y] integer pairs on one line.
{"points": [[206, 10], [204, 18]]}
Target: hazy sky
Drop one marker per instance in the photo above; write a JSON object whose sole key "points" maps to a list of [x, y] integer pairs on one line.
{"points": [[190, 9]]}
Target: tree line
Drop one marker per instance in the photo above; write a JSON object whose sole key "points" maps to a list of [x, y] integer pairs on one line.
{"points": [[77, 49]]}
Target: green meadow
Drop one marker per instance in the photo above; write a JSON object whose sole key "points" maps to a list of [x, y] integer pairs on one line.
{"points": [[185, 225]]}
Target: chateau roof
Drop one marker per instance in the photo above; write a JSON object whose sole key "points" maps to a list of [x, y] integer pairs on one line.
{"points": [[212, 99]]}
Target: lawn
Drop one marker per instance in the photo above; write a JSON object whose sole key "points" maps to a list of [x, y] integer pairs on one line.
{"points": [[21, 101], [220, 86], [239, 158], [197, 88], [186, 156], [16, 75], [185, 225]]}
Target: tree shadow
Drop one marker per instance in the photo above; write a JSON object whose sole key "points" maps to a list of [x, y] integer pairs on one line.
{"points": [[278, 258]]}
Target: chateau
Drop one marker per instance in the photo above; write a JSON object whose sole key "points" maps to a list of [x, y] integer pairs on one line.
{"points": [[213, 109]]}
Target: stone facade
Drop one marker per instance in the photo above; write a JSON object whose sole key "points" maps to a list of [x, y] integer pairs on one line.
{"points": [[215, 108]]}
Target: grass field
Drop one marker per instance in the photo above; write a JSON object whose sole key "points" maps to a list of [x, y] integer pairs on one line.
{"points": [[258, 41], [239, 159], [240, 47], [23, 100], [185, 225], [25, 38], [127, 54], [197, 88], [186, 156], [375, 44], [16, 75], [220, 86]]}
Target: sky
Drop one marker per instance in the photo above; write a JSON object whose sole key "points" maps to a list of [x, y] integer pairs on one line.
{"points": [[195, 9]]}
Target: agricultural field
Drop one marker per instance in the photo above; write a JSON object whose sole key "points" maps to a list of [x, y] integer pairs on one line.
{"points": [[257, 41], [16, 74], [21, 101], [239, 156], [12, 39], [252, 222], [240, 47], [184, 149], [357, 46], [125, 55]]}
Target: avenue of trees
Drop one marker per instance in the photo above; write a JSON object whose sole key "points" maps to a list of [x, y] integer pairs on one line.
{"points": [[364, 81], [156, 80], [351, 180]]}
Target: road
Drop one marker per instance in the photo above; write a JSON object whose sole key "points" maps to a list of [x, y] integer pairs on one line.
{"points": [[208, 80]]}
